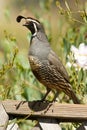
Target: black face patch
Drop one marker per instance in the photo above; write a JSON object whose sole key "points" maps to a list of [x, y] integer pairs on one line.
{"points": [[31, 27]]}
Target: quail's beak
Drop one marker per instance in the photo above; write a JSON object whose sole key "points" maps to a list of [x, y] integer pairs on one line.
{"points": [[26, 22]]}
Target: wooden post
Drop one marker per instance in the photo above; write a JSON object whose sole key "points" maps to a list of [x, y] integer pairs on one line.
{"points": [[3, 118]]}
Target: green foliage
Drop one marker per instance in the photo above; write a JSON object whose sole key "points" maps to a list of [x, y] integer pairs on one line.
{"points": [[15, 73], [46, 4], [78, 77], [75, 35], [71, 14]]}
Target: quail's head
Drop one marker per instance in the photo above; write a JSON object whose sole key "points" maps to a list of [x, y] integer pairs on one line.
{"points": [[32, 24]]}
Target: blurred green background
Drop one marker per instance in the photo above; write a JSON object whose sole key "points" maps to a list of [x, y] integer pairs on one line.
{"points": [[65, 23]]}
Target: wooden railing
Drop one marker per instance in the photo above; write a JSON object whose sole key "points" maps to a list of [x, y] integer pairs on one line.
{"points": [[47, 114]]}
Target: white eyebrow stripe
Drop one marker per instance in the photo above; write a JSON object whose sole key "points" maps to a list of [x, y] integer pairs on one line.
{"points": [[33, 20]]}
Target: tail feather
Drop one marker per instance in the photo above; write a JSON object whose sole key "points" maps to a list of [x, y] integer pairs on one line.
{"points": [[72, 95]]}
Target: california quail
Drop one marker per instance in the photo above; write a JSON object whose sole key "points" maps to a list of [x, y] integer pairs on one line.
{"points": [[45, 64]]}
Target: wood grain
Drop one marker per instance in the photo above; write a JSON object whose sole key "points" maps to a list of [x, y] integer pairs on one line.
{"points": [[12, 126], [68, 112], [3, 118]]}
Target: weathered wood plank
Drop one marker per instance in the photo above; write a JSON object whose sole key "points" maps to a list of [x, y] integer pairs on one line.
{"points": [[3, 118], [75, 112], [13, 126], [45, 124], [37, 127], [49, 123]]}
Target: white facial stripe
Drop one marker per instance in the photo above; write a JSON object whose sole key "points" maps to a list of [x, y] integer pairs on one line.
{"points": [[35, 27], [33, 20]]}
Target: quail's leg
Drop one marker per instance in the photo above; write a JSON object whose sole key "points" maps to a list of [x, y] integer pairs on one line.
{"points": [[48, 91], [53, 100], [43, 99], [55, 96]]}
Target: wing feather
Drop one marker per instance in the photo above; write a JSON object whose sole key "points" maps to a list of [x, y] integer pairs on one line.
{"points": [[57, 64]]}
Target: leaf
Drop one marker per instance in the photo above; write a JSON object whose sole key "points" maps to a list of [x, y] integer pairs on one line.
{"points": [[80, 76], [22, 60], [32, 94], [67, 6]]}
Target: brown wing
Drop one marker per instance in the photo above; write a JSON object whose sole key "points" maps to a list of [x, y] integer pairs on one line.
{"points": [[55, 61]]}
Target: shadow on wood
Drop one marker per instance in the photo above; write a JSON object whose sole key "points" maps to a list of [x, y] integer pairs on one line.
{"points": [[62, 112], [35, 105]]}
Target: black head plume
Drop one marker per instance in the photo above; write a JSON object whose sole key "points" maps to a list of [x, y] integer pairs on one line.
{"points": [[18, 19]]}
